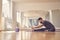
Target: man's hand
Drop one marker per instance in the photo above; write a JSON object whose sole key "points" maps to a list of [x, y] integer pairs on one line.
{"points": [[32, 27]]}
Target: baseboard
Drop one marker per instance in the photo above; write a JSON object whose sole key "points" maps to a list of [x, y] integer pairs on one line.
{"points": [[57, 30]]}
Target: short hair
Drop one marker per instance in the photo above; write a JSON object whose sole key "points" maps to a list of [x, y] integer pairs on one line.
{"points": [[40, 18]]}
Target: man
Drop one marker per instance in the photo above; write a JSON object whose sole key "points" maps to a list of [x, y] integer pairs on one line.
{"points": [[48, 26]]}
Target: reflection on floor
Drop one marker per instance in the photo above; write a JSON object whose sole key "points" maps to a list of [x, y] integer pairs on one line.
{"points": [[24, 35]]}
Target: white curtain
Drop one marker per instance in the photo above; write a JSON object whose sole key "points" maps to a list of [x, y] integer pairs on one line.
{"points": [[32, 22]]}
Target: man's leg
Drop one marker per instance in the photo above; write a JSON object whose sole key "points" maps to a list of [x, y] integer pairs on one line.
{"points": [[43, 29], [51, 30]]}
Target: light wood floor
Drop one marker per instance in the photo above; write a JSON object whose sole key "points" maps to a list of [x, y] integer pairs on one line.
{"points": [[24, 35]]}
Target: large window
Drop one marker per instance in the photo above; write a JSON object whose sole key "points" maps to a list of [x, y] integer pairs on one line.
{"points": [[6, 15], [33, 22], [28, 22]]}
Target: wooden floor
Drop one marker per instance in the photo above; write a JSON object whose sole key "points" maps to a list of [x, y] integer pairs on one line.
{"points": [[24, 35]]}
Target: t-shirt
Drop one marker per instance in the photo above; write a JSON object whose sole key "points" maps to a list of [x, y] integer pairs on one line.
{"points": [[48, 25]]}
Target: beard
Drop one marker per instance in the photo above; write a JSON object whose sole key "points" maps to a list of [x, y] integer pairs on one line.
{"points": [[40, 22]]}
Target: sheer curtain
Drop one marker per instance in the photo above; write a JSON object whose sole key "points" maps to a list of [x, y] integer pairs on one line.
{"points": [[6, 15], [29, 22], [32, 22]]}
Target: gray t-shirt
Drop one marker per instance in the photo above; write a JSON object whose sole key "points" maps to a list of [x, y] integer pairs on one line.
{"points": [[48, 25]]}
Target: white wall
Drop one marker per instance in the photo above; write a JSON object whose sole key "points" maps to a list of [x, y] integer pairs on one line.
{"points": [[0, 14], [13, 16], [47, 17], [35, 13], [56, 18], [36, 6]]}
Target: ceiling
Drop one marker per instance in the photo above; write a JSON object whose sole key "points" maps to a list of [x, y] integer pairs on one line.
{"points": [[35, 13], [36, 0]]}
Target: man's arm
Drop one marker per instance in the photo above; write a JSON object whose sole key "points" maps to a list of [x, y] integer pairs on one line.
{"points": [[37, 26]]}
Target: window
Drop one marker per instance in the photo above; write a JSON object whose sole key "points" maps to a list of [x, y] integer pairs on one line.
{"points": [[6, 15], [33, 22]]}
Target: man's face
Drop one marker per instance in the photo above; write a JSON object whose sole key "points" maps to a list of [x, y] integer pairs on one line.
{"points": [[40, 21]]}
